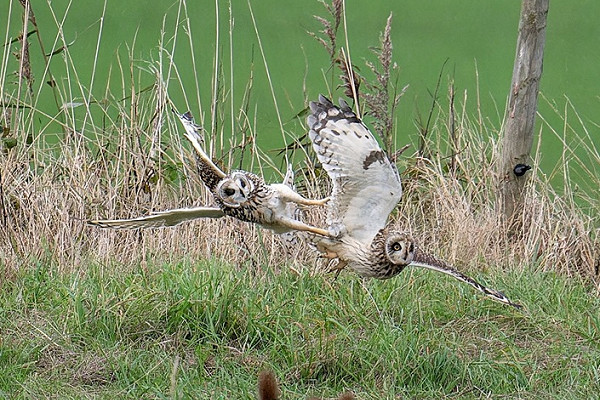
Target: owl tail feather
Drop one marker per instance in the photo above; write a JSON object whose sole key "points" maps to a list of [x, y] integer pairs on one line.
{"points": [[428, 261]]}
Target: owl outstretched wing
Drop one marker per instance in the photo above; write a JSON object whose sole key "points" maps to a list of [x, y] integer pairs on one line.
{"points": [[366, 184], [429, 261], [161, 218], [211, 174]]}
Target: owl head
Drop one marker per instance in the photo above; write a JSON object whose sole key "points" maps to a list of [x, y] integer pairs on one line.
{"points": [[399, 248], [234, 189]]}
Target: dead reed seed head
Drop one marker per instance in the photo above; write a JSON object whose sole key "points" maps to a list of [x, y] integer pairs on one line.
{"points": [[330, 28]]}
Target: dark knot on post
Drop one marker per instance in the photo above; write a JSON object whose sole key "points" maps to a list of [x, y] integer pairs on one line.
{"points": [[520, 169]]}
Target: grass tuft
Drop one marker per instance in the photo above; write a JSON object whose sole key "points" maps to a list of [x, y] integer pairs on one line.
{"points": [[216, 327]]}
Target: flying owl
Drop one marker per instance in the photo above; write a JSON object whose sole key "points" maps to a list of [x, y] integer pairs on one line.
{"points": [[239, 194], [365, 189]]}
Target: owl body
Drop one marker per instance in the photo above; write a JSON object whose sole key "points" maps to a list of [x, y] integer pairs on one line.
{"points": [[246, 196], [383, 257], [366, 188]]}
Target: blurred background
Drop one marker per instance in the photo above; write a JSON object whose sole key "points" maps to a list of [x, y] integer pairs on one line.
{"points": [[470, 44]]}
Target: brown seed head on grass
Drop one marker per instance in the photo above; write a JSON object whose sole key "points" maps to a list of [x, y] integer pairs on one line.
{"points": [[382, 96], [22, 55], [330, 26]]}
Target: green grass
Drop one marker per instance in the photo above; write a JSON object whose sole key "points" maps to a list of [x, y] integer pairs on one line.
{"points": [[206, 329]]}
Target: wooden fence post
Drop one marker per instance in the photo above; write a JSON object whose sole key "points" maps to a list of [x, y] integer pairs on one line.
{"points": [[522, 105]]}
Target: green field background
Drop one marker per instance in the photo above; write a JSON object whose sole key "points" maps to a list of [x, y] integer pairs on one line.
{"points": [[477, 37]]}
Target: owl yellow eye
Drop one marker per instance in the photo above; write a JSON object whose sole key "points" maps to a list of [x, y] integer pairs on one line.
{"points": [[229, 191], [396, 247]]}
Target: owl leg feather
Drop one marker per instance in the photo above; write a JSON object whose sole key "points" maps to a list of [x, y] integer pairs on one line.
{"points": [[296, 225], [313, 202], [288, 195]]}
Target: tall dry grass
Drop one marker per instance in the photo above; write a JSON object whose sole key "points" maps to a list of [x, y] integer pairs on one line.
{"points": [[456, 210], [122, 156], [115, 156]]}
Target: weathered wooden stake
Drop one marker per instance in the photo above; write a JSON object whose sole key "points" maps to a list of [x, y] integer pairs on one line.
{"points": [[522, 105]]}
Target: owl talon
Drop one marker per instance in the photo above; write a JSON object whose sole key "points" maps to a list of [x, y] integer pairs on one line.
{"points": [[335, 231], [337, 267]]}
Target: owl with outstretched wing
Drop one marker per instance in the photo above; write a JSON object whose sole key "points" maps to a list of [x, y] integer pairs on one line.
{"points": [[239, 194], [366, 188]]}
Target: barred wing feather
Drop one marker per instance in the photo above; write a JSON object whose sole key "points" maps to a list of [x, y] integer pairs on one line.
{"points": [[160, 219], [366, 184]]}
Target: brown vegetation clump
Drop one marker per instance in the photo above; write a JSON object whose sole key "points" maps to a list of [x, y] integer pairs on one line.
{"points": [[268, 388]]}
